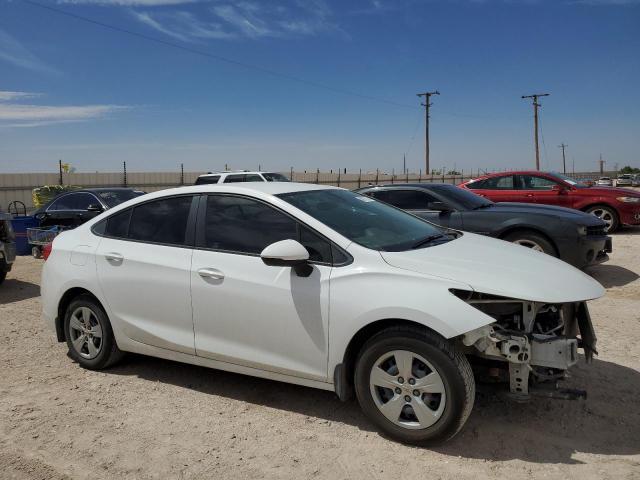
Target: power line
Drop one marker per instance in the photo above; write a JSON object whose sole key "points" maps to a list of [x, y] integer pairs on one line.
{"points": [[212, 56]]}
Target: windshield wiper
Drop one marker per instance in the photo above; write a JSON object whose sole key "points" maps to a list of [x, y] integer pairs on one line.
{"points": [[427, 240]]}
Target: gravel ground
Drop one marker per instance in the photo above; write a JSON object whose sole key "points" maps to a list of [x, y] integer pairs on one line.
{"points": [[150, 418]]}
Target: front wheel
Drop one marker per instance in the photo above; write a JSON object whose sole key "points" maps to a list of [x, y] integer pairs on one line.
{"points": [[414, 385], [608, 215], [533, 241]]}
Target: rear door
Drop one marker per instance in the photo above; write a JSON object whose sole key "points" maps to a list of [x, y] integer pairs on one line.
{"points": [[498, 189], [144, 267]]}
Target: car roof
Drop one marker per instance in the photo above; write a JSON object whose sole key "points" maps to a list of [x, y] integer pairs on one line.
{"points": [[269, 188], [426, 186], [232, 172]]}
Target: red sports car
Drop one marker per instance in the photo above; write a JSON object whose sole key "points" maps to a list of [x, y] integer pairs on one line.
{"points": [[616, 206]]}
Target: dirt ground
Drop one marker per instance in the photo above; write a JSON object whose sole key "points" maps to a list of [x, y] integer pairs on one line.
{"points": [[150, 418]]}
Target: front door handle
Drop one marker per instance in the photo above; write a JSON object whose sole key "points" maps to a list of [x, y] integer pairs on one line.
{"points": [[211, 273], [113, 257]]}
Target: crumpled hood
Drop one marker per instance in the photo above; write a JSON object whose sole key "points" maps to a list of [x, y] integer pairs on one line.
{"points": [[500, 268]]}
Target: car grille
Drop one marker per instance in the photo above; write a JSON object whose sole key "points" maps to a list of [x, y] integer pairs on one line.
{"points": [[596, 231]]}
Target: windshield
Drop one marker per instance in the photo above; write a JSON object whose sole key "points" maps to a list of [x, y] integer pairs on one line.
{"points": [[275, 177], [116, 197], [463, 198], [568, 180], [366, 221]]}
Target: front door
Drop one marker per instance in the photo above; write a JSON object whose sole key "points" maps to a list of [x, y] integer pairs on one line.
{"points": [[541, 190], [144, 269], [251, 314]]}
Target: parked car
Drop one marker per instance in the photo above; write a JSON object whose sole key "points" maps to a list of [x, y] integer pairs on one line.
{"points": [[624, 180], [240, 176], [616, 206], [7, 245], [575, 237], [322, 287], [74, 208], [604, 182], [635, 181]]}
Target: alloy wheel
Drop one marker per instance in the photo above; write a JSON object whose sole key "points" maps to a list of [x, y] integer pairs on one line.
{"points": [[605, 215], [86, 332], [407, 389], [530, 244]]}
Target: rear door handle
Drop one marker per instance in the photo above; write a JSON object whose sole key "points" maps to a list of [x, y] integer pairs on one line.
{"points": [[114, 257], [211, 273]]}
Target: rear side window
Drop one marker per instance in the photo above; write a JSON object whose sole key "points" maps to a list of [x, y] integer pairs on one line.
{"points": [[118, 224], [493, 183], [207, 180], [404, 199], [161, 221]]}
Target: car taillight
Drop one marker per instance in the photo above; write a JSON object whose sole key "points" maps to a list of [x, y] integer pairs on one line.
{"points": [[46, 250]]}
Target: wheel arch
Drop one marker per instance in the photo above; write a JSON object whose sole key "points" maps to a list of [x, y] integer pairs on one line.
{"points": [[513, 229], [64, 303], [343, 375]]}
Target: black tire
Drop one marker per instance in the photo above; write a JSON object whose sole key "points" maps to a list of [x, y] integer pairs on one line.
{"points": [[452, 367], [529, 239], [108, 353], [3, 275], [607, 212]]}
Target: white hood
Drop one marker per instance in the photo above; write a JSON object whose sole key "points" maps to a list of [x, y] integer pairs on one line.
{"points": [[500, 268]]}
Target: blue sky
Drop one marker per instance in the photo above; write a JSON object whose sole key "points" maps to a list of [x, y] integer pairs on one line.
{"points": [[95, 97]]}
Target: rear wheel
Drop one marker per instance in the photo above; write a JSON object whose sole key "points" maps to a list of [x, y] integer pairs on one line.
{"points": [[414, 385], [532, 240], [89, 335], [608, 215]]}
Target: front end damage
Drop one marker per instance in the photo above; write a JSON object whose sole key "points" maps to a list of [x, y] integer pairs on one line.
{"points": [[533, 344]]}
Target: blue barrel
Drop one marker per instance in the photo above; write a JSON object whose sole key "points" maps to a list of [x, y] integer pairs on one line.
{"points": [[20, 225]]}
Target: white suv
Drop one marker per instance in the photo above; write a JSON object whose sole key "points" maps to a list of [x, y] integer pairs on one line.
{"points": [[240, 176], [322, 287]]}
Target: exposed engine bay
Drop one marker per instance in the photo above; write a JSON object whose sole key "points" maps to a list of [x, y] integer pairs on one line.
{"points": [[539, 341]]}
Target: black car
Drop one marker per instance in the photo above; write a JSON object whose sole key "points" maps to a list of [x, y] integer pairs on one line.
{"points": [[7, 245], [573, 236], [71, 209]]}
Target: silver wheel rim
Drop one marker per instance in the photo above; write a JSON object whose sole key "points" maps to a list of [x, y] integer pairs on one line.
{"points": [[407, 389], [86, 332], [605, 215], [530, 244]]}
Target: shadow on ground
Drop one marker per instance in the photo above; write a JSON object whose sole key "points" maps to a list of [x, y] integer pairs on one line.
{"points": [[612, 275], [12, 290], [541, 431]]}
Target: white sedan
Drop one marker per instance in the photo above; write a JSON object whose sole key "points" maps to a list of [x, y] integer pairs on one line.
{"points": [[321, 287]]}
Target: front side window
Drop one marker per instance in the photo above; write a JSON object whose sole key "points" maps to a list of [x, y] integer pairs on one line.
{"points": [[243, 225], [366, 221], [161, 221], [532, 182], [405, 199]]}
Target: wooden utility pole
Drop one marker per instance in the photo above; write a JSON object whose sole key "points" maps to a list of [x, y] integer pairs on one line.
{"points": [[564, 161], [427, 104], [601, 162], [536, 104]]}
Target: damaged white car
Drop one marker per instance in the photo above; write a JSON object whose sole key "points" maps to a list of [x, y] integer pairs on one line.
{"points": [[321, 287]]}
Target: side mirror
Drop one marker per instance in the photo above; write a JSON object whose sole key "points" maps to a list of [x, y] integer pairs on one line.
{"points": [[438, 206], [94, 207], [287, 253]]}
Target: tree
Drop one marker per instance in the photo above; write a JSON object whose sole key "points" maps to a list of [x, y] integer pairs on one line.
{"points": [[628, 169]]}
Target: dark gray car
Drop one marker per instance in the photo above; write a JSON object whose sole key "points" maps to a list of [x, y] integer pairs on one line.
{"points": [[574, 236]]}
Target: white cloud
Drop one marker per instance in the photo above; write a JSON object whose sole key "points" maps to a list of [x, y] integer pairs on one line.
{"points": [[12, 51], [182, 25], [13, 115], [7, 95]]}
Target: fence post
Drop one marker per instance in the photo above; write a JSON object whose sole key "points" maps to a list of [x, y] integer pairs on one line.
{"points": [[291, 175], [60, 170], [124, 172], [359, 178], [420, 177], [182, 174], [317, 176], [338, 177], [443, 175], [393, 174], [377, 173], [407, 176]]}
